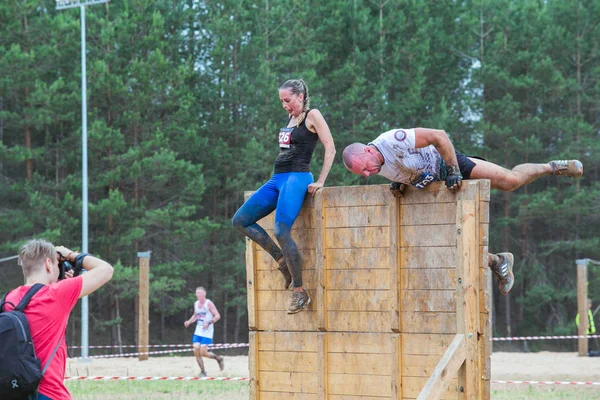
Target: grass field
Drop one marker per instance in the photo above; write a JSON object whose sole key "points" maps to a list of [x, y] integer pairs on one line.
{"points": [[231, 390], [158, 390]]}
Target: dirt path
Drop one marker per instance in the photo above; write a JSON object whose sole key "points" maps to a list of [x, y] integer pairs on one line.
{"points": [[505, 366]]}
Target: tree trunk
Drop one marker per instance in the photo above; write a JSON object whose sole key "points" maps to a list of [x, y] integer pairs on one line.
{"points": [[224, 314]]}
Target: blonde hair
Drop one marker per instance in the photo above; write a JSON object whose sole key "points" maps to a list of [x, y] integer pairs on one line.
{"points": [[201, 288], [34, 253], [298, 86]]}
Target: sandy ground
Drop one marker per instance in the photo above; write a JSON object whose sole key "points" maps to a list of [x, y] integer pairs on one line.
{"points": [[543, 366]]}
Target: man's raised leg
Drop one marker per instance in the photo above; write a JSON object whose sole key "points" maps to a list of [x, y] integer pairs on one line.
{"points": [[509, 180]]}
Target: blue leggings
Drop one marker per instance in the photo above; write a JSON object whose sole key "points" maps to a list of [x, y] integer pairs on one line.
{"points": [[284, 192]]}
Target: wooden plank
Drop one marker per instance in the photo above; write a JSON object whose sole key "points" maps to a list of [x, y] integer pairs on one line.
{"points": [[443, 373], [352, 217], [349, 196], [412, 386], [277, 300], [358, 384], [395, 215], [288, 361], [320, 306], [358, 300], [396, 368], [264, 261], [359, 343], [485, 189], [288, 341], [428, 214], [353, 363], [416, 279], [421, 366], [428, 257], [367, 258], [429, 300], [323, 361], [582, 307], [273, 280], [143, 305], [280, 321], [429, 235], [361, 279], [435, 192], [428, 322], [253, 362], [305, 219], [287, 396], [304, 238], [468, 267], [346, 321], [251, 282], [485, 347], [484, 212], [346, 397], [426, 344], [484, 234], [346, 238], [485, 274], [288, 382]]}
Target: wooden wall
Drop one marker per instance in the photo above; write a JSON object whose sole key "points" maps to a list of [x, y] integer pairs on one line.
{"points": [[390, 282]]}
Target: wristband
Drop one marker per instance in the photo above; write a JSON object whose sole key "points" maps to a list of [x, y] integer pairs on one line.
{"points": [[453, 170], [79, 263]]}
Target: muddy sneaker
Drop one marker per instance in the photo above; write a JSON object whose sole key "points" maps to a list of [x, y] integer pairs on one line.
{"points": [[572, 168], [300, 300], [221, 362], [285, 271], [503, 272], [202, 375]]}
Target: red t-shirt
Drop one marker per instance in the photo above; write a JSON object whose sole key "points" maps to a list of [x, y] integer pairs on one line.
{"points": [[48, 314]]}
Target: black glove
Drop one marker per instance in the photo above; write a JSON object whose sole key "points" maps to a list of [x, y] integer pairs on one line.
{"points": [[453, 177], [397, 189]]}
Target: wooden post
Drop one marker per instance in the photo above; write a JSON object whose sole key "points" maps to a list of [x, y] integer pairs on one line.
{"points": [[143, 304], [467, 292], [320, 247], [582, 306]]}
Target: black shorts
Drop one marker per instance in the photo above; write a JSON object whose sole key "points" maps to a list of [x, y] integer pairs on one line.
{"points": [[465, 165]]}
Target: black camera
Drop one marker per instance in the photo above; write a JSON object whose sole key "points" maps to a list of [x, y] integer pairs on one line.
{"points": [[66, 265]]}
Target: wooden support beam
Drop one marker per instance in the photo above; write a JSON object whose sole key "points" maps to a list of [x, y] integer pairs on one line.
{"points": [[322, 354], [143, 304], [253, 363], [582, 306], [468, 283], [446, 369], [251, 278], [395, 259], [320, 246]]}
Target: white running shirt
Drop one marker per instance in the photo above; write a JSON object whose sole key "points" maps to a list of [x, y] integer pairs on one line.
{"points": [[204, 315], [405, 163]]}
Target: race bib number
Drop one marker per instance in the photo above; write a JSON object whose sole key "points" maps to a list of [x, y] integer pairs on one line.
{"points": [[285, 137], [423, 180]]}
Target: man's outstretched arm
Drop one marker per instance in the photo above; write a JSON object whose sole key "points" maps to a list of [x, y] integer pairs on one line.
{"points": [[440, 140]]}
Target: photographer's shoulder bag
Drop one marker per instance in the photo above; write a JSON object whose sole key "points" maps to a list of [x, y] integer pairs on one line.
{"points": [[20, 369]]}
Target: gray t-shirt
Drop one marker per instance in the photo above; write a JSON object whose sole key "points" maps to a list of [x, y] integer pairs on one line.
{"points": [[404, 162]]}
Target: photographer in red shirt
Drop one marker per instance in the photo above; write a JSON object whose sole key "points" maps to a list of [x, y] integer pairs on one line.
{"points": [[49, 309]]}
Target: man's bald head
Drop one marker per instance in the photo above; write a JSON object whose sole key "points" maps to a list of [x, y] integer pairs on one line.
{"points": [[352, 153]]}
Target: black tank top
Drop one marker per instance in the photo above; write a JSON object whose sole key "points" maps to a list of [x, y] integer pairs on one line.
{"points": [[296, 147]]}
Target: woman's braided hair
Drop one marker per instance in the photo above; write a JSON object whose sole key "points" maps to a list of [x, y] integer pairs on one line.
{"points": [[298, 86]]}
